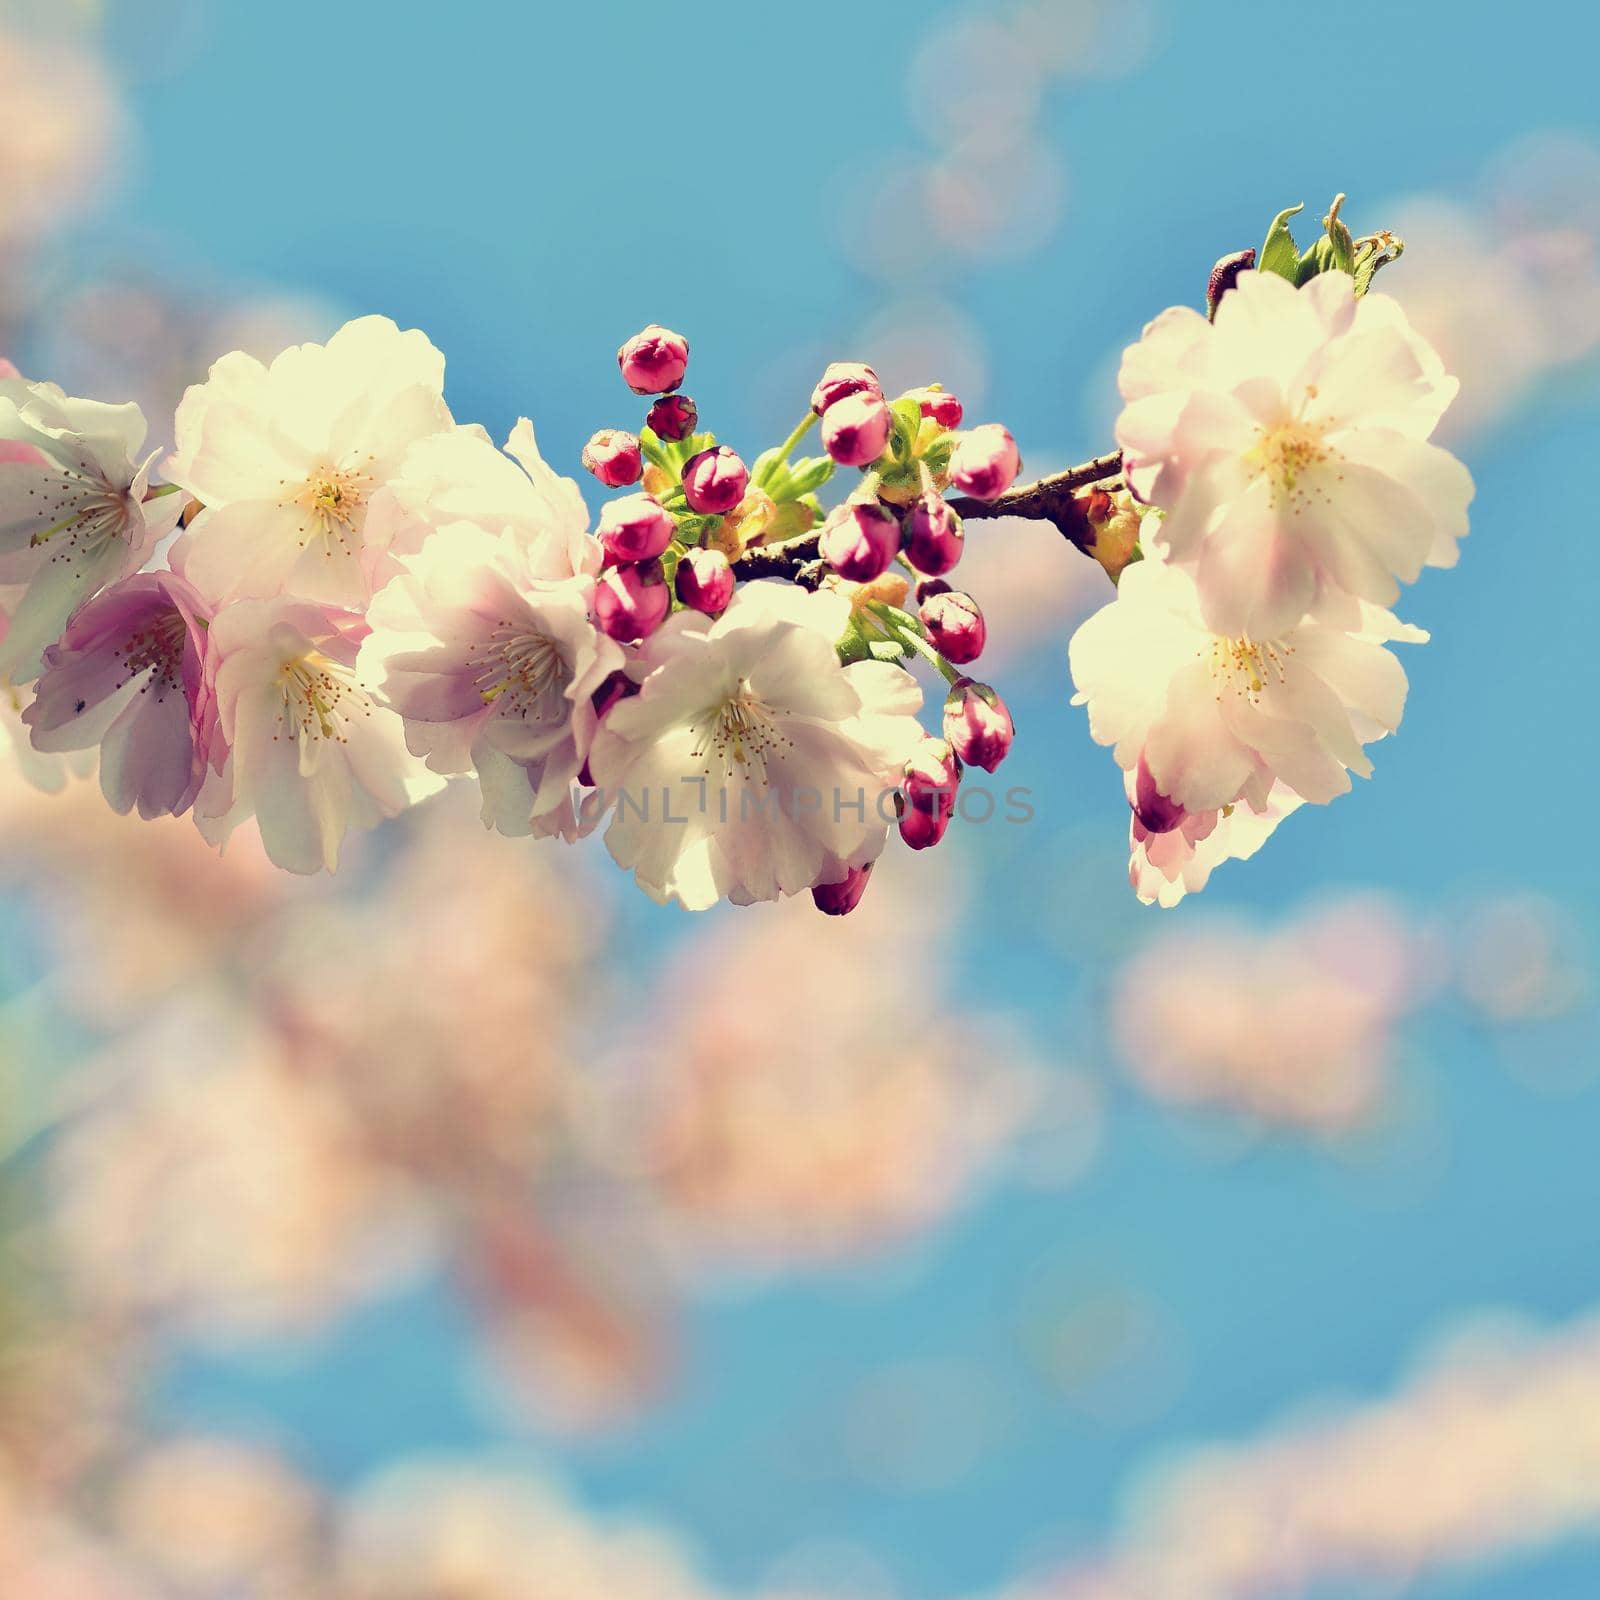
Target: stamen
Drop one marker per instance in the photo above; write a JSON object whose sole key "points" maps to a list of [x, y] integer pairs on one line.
{"points": [[737, 733]]}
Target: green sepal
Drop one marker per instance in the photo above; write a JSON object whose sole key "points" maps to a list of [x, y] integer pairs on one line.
{"points": [[807, 476], [1280, 254]]}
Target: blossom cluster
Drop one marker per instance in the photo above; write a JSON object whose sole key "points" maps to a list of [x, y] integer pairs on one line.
{"points": [[1278, 456], [341, 598]]}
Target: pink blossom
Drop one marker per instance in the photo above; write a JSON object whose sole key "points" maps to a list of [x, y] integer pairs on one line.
{"points": [[132, 675]]}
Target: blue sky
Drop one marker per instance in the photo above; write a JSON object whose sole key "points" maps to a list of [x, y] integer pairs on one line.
{"points": [[529, 184]]}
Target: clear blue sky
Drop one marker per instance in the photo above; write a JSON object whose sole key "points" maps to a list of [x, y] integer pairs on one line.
{"points": [[529, 184]]}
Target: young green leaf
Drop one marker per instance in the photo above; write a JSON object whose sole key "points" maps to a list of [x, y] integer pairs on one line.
{"points": [[1280, 254]]}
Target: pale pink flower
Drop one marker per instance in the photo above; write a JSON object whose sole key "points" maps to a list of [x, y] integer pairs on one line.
{"points": [[1287, 445], [493, 671], [1218, 719], [131, 676], [458, 476], [74, 510], [310, 754], [286, 460], [1165, 866], [751, 764]]}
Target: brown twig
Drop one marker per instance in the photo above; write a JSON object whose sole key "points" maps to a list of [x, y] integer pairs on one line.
{"points": [[1052, 499]]}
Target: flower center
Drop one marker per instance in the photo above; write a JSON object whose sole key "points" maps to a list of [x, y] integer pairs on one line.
{"points": [[736, 733], [1247, 665], [330, 500], [525, 672], [1284, 455], [95, 513], [156, 648], [319, 698]]}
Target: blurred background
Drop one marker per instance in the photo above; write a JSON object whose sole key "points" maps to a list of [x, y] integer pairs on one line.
{"points": [[468, 1228]]}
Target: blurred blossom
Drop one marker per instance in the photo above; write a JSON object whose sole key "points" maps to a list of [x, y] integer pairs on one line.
{"points": [[996, 199], [1292, 1026], [60, 124], [914, 340], [1507, 285], [800, 1113], [1523, 958], [971, 72], [1492, 1447]]}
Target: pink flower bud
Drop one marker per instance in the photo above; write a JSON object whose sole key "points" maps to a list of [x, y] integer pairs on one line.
{"points": [[1225, 275], [943, 407], [856, 428], [977, 724], [859, 540], [932, 776], [955, 625], [1156, 813], [923, 829], [714, 481], [632, 601], [613, 457], [673, 417], [654, 361], [933, 536], [839, 899], [929, 587], [636, 528], [985, 463], [844, 378], [705, 581], [617, 686]]}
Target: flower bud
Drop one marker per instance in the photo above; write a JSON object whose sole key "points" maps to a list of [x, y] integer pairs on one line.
{"points": [[922, 829], [955, 625], [1156, 813], [844, 378], [617, 686], [654, 360], [714, 481], [1225, 275], [859, 540], [933, 536], [929, 587], [635, 528], [704, 581], [613, 457], [631, 601], [673, 417], [985, 463], [932, 776], [977, 724], [839, 899], [941, 406], [856, 429]]}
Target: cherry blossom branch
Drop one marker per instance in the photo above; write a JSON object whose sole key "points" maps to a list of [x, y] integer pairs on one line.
{"points": [[1050, 499]]}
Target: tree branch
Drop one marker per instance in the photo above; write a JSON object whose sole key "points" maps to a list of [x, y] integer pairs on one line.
{"points": [[1051, 499]]}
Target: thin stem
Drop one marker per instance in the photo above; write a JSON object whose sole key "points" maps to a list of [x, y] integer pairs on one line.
{"points": [[792, 443]]}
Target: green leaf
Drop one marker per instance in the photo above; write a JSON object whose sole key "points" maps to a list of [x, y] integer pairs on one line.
{"points": [[654, 450], [807, 476], [907, 424], [1373, 254], [1280, 253], [887, 650]]}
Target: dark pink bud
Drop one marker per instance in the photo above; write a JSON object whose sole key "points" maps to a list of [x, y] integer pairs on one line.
{"points": [[985, 463], [617, 686], [613, 457], [635, 528], [929, 587], [632, 601], [921, 829], [654, 361], [714, 481], [859, 540], [931, 778], [705, 581], [977, 724], [844, 378], [674, 417], [1225, 275], [944, 408], [955, 625], [1154, 810], [839, 899], [933, 536], [856, 428]]}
